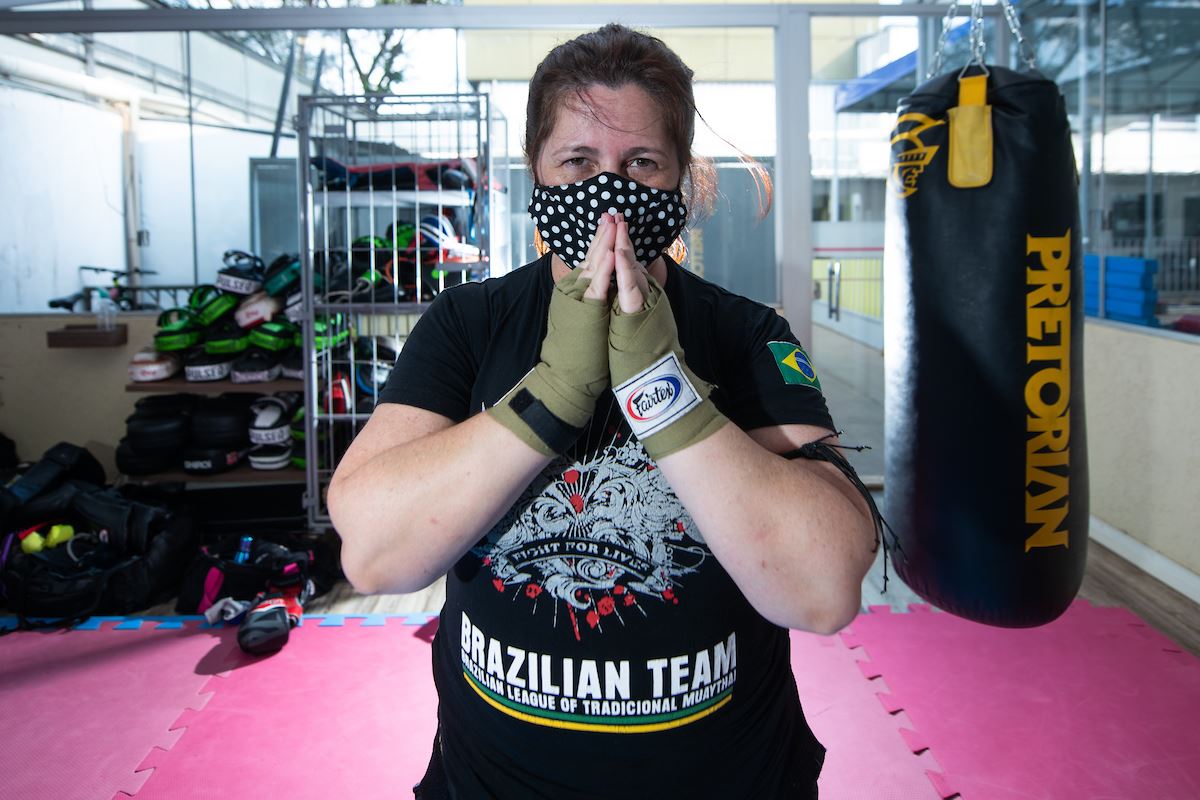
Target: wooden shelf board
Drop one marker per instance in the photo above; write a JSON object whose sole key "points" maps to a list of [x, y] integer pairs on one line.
{"points": [[243, 473], [179, 384]]}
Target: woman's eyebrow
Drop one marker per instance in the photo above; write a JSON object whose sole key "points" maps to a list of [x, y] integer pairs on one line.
{"points": [[643, 150], [580, 149]]}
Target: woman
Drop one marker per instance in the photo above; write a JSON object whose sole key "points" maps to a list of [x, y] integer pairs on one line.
{"points": [[623, 562]]}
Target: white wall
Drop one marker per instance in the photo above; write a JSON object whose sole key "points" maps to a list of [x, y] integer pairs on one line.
{"points": [[1144, 435], [222, 196], [61, 204]]}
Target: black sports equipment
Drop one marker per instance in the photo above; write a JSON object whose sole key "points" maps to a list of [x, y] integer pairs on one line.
{"points": [[293, 364], [132, 462], [270, 419], [270, 456], [135, 556], [201, 367], [375, 357], [256, 366], [168, 404], [283, 275], [221, 422], [210, 304], [209, 460], [986, 456], [243, 272], [148, 434], [62, 462], [226, 336], [178, 330]]}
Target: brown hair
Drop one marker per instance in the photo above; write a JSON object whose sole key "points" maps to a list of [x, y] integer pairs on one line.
{"points": [[614, 56]]}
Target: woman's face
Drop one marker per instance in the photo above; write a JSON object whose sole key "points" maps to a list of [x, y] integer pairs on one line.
{"points": [[615, 130]]}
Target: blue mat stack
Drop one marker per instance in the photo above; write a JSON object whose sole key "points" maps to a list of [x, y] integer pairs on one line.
{"points": [[1129, 293]]}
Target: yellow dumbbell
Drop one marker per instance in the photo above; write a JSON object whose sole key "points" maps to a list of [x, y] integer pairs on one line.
{"points": [[32, 542], [59, 534]]}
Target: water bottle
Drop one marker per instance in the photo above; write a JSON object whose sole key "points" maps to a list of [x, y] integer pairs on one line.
{"points": [[243, 554]]}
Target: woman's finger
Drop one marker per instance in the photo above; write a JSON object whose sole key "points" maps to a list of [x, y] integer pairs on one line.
{"points": [[631, 279], [598, 265], [601, 241]]}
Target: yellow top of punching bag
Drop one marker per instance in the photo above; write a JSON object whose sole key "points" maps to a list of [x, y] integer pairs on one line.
{"points": [[970, 136]]}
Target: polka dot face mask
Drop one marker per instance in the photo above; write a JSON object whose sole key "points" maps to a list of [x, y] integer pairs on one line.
{"points": [[567, 215]]}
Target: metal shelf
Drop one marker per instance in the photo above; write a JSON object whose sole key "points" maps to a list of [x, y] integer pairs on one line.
{"points": [[386, 198], [354, 131], [371, 308]]}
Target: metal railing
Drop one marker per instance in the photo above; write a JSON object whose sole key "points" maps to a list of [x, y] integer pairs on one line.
{"points": [[849, 279], [148, 298]]}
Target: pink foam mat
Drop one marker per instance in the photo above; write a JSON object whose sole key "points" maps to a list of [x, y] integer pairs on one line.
{"points": [[1093, 705], [80, 709], [346, 709], [866, 758], [341, 712], [919, 705], [373, 730]]}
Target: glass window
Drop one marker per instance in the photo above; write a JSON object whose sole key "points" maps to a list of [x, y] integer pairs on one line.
{"points": [[1132, 84]]}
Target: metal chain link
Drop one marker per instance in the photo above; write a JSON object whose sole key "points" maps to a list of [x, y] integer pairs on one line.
{"points": [[941, 48], [976, 38], [1024, 51], [978, 46]]}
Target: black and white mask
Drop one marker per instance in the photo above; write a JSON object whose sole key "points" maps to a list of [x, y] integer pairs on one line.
{"points": [[568, 215]]}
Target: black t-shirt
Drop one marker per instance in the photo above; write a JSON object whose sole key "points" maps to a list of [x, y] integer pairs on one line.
{"points": [[591, 646]]}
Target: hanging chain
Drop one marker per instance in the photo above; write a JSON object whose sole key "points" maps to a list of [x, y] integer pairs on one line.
{"points": [[941, 48], [1024, 51], [976, 36], [978, 46]]}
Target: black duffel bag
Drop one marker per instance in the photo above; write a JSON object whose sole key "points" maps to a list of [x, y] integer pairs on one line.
{"points": [[125, 557]]}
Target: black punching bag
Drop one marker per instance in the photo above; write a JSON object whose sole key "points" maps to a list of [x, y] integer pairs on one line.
{"points": [[986, 455]]}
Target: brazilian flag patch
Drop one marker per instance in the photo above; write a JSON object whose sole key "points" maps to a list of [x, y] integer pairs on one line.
{"points": [[794, 364]]}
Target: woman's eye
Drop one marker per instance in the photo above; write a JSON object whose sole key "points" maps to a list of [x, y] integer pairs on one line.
{"points": [[577, 162], [642, 164]]}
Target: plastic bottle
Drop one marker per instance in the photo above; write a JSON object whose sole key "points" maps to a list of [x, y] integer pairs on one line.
{"points": [[243, 554]]}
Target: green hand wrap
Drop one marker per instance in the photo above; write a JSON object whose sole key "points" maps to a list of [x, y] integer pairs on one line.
{"points": [[552, 403], [666, 404]]}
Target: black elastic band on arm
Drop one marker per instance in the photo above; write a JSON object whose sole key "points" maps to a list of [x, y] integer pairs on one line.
{"points": [[819, 450], [558, 435]]}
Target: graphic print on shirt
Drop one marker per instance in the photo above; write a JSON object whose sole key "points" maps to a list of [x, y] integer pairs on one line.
{"points": [[607, 542], [600, 538]]}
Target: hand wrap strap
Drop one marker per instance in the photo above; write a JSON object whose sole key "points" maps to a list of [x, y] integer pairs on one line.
{"points": [[820, 451], [666, 404], [549, 407]]}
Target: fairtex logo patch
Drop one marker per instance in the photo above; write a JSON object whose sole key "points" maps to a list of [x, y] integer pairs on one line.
{"points": [[656, 396], [652, 400]]}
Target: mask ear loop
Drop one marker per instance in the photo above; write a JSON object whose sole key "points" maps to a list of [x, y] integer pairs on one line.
{"points": [[677, 252]]}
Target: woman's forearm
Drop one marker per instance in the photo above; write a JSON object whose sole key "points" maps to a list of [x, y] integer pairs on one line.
{"points": [[408, 512], [795, 540]]}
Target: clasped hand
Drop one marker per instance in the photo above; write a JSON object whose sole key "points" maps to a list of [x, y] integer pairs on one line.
{"points": [[597, 337], [621, 300], [630, 342], [611, 255]]}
